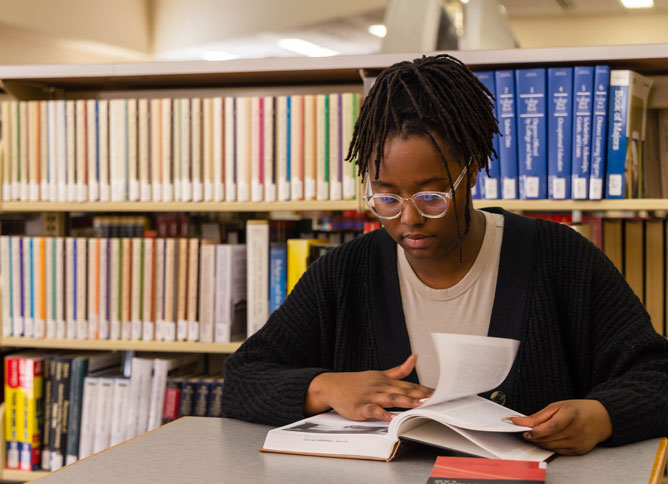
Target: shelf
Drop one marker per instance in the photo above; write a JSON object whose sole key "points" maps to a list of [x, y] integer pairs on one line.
{"points": [[650, 204], [120, 345], [20, 476], [302, 205]]}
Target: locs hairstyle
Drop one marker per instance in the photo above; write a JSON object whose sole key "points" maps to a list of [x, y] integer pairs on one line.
{"points": [[437, 97]]}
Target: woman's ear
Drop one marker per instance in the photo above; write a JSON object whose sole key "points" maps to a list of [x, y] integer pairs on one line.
{"points": [[473, 173]]}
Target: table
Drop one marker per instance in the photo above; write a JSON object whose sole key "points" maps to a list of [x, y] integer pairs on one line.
{"points": [[196, 449]]}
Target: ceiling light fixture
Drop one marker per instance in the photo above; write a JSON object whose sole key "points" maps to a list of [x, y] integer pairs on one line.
{"points": [[379, 30], [303, 47], [465, 1], [218, 55], [638, 3]]}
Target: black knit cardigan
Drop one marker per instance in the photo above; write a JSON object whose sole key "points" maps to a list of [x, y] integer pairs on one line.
{"points": [[583, 333]]}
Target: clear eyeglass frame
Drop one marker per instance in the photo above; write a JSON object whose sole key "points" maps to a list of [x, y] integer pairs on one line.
{"points": [[445, 197]]}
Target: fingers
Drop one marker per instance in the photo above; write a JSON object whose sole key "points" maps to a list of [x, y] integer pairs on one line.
{"points": [[535, 419], [403, 370], [548, 429], [371, 410], [411, 389]]}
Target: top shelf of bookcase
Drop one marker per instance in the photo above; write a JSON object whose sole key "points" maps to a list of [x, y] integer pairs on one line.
{"points": [[649, 59]]}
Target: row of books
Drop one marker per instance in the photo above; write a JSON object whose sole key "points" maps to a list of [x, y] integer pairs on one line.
{"points": [[61, 407], [567, 133], [188, 149], [162, 289]]}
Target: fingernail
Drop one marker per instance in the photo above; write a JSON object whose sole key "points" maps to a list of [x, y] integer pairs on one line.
{"points": [[527, 435], [509, 417], [422, 400]]}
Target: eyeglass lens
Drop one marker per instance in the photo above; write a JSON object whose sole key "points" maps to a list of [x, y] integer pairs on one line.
{"points": [[429, 204]]}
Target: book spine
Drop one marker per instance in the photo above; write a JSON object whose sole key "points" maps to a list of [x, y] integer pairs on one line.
{"points": [[103, 144], [230, 150], [170, 295], [583, 86], [349, 113], [92, 150], [159, 307], [32, 386], [61, 288], [51, 303], [24, 167], [560, 129], [177, 142], [147, 317], [93, 288], [282, 148], [51, 151], [82, 330], [532, 131], [297, 147], [48, 371], [29, 287], [103, 408], [222, 323], [155, 117], [187, 402], [335, 186], [40, 289], [237, 284], [104, 282], [118, 415], [215, 407], [81, 151], [171, 402], [16, 248], [217, 135], [243, 148], [277, 275], [115, 279], [43, 152], [269, 148], [182, 290], [7, 289], [322, 147], [599, 131], [166, 150], [207, 129], [7, 146], [15, 132], [186, 161], [207, 284], [256, 148], [192, 295], [310, 155], [12, 413], [143, 150], [87, 424], [196, 149], [137, 288], [79, 370], [33, 150], [202, 392], [257, 244], [126, 289]]}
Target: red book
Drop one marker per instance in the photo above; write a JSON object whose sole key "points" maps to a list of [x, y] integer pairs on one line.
{"points": [[474, 470]]}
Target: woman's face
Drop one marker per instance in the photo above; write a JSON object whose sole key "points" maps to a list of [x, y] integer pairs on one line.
{"points": [[412, 165]]}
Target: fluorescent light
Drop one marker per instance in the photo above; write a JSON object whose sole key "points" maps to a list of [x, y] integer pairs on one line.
{"points": [[465, 1], [218, 55], [306, 48], [638, 3], [379, 30]]}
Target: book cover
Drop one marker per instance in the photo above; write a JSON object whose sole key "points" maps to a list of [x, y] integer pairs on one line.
{"points": [[629, 92], [532, 148], [278, 267], [461, 470], [599, 132], [559, 132], [257, 257], [490, 184], [583, 92], [230, 150]]}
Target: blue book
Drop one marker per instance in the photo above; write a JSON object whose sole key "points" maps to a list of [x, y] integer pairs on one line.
{"points": [[278, 275], [599, 131], [490, 186], [627, 111], [505, 113], [583, 91], [532, 133], [559, 132]]}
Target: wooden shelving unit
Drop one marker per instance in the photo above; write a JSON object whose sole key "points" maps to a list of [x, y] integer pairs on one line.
{"points": [[648, 204]]}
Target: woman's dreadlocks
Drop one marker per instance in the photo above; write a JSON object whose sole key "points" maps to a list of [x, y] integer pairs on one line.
{"points": [[437, 97]]}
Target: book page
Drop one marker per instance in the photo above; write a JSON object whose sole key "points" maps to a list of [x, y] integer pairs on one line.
{"points": [[470, 364]]}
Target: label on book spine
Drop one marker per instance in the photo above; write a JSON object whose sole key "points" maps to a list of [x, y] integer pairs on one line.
{"points": [[583, 84], [505, 112], [559, 128], [599, 131]]}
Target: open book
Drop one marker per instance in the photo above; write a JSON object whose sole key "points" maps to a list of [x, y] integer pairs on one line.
{"points": [[453, 418]]}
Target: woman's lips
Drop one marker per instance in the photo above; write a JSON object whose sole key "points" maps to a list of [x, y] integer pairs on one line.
{"points": [[418, 241]]}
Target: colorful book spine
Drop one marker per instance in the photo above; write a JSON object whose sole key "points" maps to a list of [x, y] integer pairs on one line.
{"points": [[243, 148], [335, 151], [599, 132], [490, 183], [297, 147], [322, 146], [532, 149], [282, 130], [7, 289], [13, 415], [559, 130], [278, 264], [257, 148], [298, 252], [309, 148], [230, 150], [269, 148], [583, 87]]}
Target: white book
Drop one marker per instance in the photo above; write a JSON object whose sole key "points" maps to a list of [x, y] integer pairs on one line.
{"points": [[88, 414], [92, 134], [159, 306], [196, 148], [43, 154], [207, 168], [33, 150], [162, 367], [230, 295], [7, 123], [181, 288], [126, 288], [243, 148], [137, 288], [81, 315], [166, 159], [39, 285], [335, 161], [16, 247], [60, 142], [71, 128], [207, 284], [282, 175], [28, 295], [170, 296], [61, 269], [257, 256], [15, 151], [309, 148], [117, 149], [297, 147], [115, 290], [140, 392], [6, 274], [177, 165], [143, 141], [156, 149], [256, 156], [268, 152], [104, 289], [24, 167], [230, 150], [81, 151], [349, 115], [148, 325], [93, 288], [52, 150], [103, 408], [103, 142], [119, 410], [186, 182], [321, 137], [51, 311], [132, 174], [217, 139], [70, 288]]}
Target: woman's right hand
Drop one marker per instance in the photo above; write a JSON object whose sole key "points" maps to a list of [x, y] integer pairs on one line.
{"points": [[365, 394]]}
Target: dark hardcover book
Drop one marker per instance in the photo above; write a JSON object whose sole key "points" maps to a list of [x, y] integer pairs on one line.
{"points": [[202, 393], [216, 398], [49, 371], [474, 470], [79, 370], [171, 407], [59, 411], [318, 250], [188, 391]]}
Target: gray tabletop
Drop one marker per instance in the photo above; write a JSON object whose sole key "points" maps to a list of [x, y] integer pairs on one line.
{"points": [[195, 449]]}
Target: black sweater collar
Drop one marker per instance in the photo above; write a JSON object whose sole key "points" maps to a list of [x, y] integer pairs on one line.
{"points": [[507, 320]]}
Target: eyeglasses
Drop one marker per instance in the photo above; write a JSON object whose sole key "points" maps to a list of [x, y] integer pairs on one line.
{"points": [[428, 204]]}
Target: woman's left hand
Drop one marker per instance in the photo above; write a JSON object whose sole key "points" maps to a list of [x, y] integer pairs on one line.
{"points": [[569, 427]]}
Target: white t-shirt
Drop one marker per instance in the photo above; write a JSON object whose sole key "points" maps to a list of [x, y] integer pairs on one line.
{"points": [[464, 308]]}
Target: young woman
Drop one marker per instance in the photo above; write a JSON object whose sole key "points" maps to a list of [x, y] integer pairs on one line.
{"points": [[590, 368]]}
